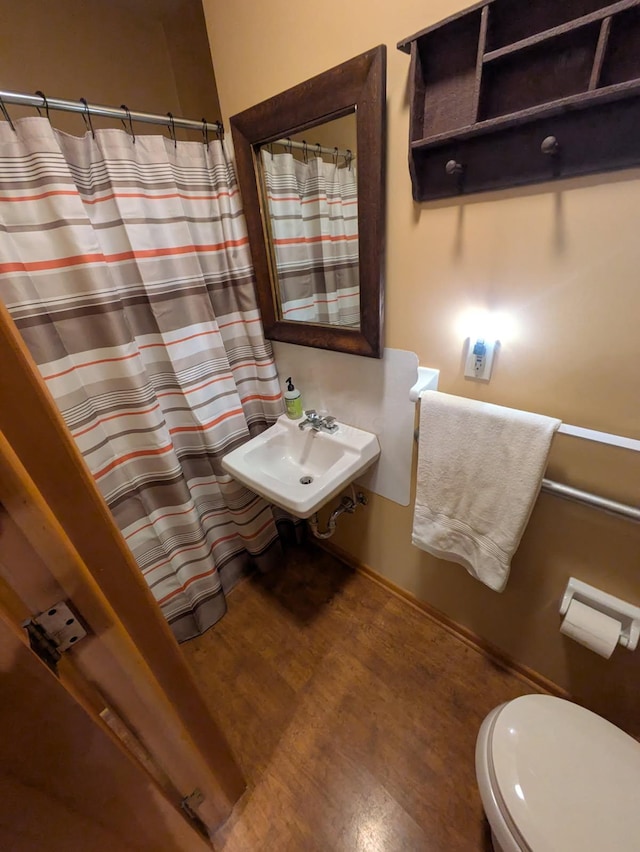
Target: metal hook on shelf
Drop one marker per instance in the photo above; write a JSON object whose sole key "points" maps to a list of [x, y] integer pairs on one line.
{"points": [[550, 146], [457, 171], [453, 167]]}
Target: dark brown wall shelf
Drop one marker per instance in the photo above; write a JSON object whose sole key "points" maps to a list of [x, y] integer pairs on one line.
{"points": [[510, 92]]}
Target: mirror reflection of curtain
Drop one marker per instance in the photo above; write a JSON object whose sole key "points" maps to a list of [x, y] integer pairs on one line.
{"points": [[313, 209], [126, 268]]}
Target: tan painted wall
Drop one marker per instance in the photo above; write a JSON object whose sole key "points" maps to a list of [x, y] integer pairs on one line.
{"points": [[564, 260], [186, 39], [125, 51]]}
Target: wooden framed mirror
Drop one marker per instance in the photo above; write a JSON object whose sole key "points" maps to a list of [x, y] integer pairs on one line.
{"points": [[311, 168]]}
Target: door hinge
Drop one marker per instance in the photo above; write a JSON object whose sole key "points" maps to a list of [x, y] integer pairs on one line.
{"points": [[189, 805], [53, 632]]}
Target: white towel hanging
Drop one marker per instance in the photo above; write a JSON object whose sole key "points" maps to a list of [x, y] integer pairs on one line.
{"points": [[480, 467]]}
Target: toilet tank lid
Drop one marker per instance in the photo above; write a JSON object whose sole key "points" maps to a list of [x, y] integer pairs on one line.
{"points": [[568, 778]]}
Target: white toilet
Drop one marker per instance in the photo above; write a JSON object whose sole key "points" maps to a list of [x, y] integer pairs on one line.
{"points": [[554, 776]]}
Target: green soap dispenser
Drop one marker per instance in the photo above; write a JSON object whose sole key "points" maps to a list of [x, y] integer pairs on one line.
{"points": [[293, 401]]}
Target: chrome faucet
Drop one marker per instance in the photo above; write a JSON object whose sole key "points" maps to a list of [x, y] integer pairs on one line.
{"points": [[318, 422]]}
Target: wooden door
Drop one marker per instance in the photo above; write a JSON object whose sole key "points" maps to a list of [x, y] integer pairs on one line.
{"points": [[130, 659], [65, 784]]}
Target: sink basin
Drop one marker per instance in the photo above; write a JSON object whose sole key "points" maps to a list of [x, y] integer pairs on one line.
{"points": [[301, 470]]}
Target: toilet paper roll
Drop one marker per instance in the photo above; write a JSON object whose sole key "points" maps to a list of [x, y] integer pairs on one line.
{"points": [[593, 629]]}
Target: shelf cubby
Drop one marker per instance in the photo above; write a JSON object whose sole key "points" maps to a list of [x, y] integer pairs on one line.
{"points": [[534, 76], [514, 21], [622, 56], [447, 78]]}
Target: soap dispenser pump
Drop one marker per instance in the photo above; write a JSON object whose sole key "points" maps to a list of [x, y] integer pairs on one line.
{"points": [[293, 401]]}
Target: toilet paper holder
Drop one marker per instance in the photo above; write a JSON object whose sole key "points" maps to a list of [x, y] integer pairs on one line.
{"points": [[627, 614]]}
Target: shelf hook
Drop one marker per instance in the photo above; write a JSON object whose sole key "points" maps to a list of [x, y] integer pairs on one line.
{"points": [[550, 146]]}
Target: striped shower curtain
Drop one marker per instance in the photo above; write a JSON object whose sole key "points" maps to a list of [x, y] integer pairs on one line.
{"points": [[125, 266], [313, 208]]}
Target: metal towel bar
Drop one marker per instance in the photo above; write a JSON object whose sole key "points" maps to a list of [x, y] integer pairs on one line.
{"points": [[612, 506], [428, 380]]}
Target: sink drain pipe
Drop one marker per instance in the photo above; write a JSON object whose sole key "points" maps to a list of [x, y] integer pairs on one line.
{"points": [[347, 504]]}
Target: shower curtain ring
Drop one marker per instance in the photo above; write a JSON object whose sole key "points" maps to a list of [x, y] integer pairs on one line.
{"points": [[305, 152], [319, 147], [289, 145], [172, 129], [86, 116], [7, 117], [128, 114], [220, 130], [348, 158], [335, 156], [205, 133], [45, 104]]}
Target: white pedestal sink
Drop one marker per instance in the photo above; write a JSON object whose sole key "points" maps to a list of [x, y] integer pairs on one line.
{"points": [[299, 470]]}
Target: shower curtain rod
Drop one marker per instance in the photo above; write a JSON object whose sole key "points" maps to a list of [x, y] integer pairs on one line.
{"points": [[347, 153], [46, 103]]}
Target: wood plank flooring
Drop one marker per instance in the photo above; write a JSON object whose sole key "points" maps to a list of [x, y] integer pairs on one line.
{"points": [[352, 714]]}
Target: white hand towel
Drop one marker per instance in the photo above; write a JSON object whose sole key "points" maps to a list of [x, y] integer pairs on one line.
{"points": [[480, 467]]}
